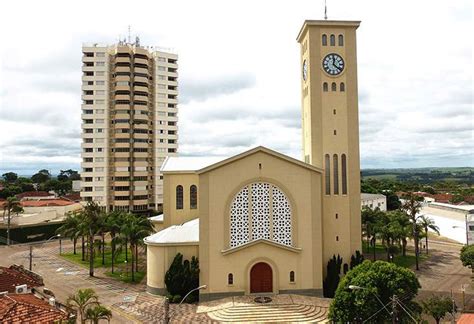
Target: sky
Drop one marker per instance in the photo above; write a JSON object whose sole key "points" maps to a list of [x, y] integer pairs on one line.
{"points": [[239, 76]]}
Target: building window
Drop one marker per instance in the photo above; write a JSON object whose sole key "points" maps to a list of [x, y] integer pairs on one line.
{"points": [[334, 86], [336, 174], [230, 279], [342, 87], [260, 211], [325, 87], [337, 215], [337, 238], [340, 40], [327, 172], [344, 174], [193, 196], [179, 197], [332, 40], [325, 40], [292, 276]]}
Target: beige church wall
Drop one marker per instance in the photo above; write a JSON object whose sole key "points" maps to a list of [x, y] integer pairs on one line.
{"points": [[173, 216], [218, 187], [159, 259]]}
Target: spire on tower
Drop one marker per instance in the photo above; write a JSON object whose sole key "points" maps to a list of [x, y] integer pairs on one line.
{"points": [[325, 11]]}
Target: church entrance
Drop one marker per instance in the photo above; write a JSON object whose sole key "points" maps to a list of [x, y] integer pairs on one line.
{"points": [[261, 278]]}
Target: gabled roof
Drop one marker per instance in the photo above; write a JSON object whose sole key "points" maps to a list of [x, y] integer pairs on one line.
{"points": [[204, 164], [260, 149], [184, 234], [27, 308], [17, 275]]}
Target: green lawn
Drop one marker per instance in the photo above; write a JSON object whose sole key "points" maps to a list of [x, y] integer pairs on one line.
{"points": [[122, 270], [404, 261]]}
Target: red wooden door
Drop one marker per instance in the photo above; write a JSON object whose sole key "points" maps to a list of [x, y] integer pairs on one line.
{"points": [[261, 278]]}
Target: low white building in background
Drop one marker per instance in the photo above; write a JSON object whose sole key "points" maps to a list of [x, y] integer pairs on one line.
{"points": [[76, 185], [373, 201]]}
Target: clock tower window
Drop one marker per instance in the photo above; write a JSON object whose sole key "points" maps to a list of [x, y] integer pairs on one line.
{"points": [[340, 40], [342, 87], [325, 40], [325, 87], [334, 86], [332, 40]]}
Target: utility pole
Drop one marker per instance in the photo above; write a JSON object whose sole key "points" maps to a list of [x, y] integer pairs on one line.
{"points": [[31, 257]]}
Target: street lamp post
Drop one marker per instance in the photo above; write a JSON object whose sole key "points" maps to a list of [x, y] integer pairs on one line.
{"points": [[31, 248], [168, 313]]}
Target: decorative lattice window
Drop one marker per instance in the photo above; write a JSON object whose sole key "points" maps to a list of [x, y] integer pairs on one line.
{"points": [[260, 211], [281, 217], [239, 218]]}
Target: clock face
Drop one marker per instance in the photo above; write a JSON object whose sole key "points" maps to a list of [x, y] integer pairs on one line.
{"points": [[305, 70], [333, 64]]}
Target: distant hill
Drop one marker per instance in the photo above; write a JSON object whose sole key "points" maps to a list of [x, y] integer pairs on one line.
{"points": [[423, 175]]}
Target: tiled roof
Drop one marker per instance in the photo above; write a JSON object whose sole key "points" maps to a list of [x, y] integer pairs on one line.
{"points": [[466, 319], [72, 197], [33, 194], [46, 203], [16, 276], [27, 308]]}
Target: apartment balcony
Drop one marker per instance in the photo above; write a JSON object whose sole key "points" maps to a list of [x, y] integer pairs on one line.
{"points": [[122, 145], [141, 117], [141, 202], [121, 173], [140, 61], [121, 154], [121, 202], [122, 69], [122, 59], [121, 183], [141, 79], [87, 68], [140, 98], [122, 78], [141, 126], [122, 107], [122, 116], [122, 97], [122, 88], [140, 88], [120, 193], [140, 154], [140, 70]]}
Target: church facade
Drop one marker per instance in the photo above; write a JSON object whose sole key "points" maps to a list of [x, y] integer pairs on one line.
{"points": [[263, 222]]}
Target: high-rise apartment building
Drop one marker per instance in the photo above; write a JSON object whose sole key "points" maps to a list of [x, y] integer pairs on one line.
{"points": [[129, 123]]}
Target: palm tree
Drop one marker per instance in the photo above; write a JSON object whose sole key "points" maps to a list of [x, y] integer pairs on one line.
{"points": [[113, 223], [12, 204], [405, 228], [134, 230], [427, 223], [92, 221], [70, 228], [412, 206], [82, 300], [94, 314]]}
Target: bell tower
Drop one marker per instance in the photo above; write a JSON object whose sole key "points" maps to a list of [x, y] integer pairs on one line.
{"points": [[330, 128]]}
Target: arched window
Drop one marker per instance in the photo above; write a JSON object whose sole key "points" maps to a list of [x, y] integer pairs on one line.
{"points": [[292, 276], [325, 40], [230, 279], [193, 192], [344, 174], [260, 211], [327, 172], [340, 40], [179, 197], [332, 40], [334, 86], [336, 174], [342, 87], [325, 87]]}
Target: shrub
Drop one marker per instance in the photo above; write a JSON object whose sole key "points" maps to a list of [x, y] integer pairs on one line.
{"points": [[332, 276], [182, 277]]}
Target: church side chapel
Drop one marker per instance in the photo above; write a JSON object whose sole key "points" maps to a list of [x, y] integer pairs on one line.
{"points": [[261, 221]]}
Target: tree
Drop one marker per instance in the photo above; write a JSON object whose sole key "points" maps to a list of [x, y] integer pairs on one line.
{"points": [[70, 228], [12, 204], [356, 259], [412, 207], [427, 223], [113, 222], [42, 176], [182, 277], [393, 203], [10, 176], [467, 256], [134, 229], [91, 220], [332, 276], [96, 313], [82, 300], [438, 307], [69, 174], [381, 279]]}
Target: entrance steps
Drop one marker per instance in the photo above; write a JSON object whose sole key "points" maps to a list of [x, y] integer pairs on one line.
{"points": [[271, 313]]}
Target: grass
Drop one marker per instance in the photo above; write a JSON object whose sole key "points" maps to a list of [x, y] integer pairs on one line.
{"points": [[122, 270], [407, 261]]}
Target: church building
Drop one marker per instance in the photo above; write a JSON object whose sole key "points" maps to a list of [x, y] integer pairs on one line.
{"points": [[261, 221]]}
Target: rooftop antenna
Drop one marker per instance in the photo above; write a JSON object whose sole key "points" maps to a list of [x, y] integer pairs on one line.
{"points": [[129, 35], [325, 11]]}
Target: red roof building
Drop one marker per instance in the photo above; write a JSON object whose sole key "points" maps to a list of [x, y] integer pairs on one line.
{"points": [[33, 194], [27, 308], [46, 203], [15, 276]]}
